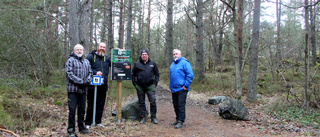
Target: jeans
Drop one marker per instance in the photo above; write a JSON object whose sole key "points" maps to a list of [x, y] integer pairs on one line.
{"points": [[179, 104], [100, 102], [150, 91], [76, 100]]}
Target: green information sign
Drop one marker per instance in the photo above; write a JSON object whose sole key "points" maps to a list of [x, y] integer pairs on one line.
{"points": [[121, 64]]}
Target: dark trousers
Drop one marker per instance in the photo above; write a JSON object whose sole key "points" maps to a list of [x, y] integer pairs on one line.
{"points": [[179, 104], [101, 99], [150, 91], [76, 100]]}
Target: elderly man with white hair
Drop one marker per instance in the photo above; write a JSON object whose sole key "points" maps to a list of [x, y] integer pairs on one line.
{"points": [[78, 74]]}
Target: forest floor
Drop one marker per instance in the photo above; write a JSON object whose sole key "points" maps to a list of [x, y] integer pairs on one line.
{"points": [[202, 120]]}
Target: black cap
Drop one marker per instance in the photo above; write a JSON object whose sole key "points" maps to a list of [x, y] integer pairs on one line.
{"points": [[146, 51]]}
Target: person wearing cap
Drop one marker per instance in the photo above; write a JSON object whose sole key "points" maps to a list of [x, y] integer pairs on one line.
{"points": [[145, 78]]}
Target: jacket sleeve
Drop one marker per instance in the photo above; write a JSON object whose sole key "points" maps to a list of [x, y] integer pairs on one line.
{"points": [[134, 73], [189, 74], [69, 72], [91, 60], [89, 76], [156, 74]]}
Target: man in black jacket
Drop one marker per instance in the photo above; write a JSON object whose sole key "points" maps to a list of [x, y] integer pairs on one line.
{"points": [[145, 77], [100, 64]]}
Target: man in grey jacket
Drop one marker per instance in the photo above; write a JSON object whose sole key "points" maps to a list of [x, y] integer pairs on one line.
{"points": [[78, 74]]}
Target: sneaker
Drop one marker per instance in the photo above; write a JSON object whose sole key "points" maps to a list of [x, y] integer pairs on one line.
{"points": [[85, 131], [72, 135], [100, 125], [175, 123], [143, 120], [179, 125], [154, 120], [87, 126]]}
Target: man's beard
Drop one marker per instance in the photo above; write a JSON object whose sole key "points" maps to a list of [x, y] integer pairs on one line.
{"points": [[79, 55], [101, 53]]}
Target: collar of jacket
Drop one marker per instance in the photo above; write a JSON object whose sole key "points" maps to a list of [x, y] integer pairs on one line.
{"points": [[178, 60]]}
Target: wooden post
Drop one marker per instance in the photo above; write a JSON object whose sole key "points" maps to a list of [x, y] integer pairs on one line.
{"points": [[119, 97]]}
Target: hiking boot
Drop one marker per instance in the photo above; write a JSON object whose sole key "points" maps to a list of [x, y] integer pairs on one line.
{"points": [[154, 120], [85, 131], [100, 125], [72, 135], [179, 125], [87, 126], [175, 123], [143, 120]]}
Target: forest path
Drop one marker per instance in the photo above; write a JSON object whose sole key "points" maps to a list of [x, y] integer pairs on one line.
{"points": [[202, 120]]}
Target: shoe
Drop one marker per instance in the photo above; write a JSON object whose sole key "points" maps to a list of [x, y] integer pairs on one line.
{"points": [[85, 131], [175, 123], [143, 120], [179, 125], [72, 135], [154, 120], [100, 125], [87, 126]]}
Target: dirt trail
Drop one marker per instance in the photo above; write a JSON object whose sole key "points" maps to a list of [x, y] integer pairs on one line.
{"points": [[202, 120]]}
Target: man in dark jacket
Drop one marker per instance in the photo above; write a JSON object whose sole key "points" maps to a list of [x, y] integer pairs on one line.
{"points": [[145, 77], [100, 64], [78, 74]]}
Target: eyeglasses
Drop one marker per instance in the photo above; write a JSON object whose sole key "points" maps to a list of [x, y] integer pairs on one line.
{"points": [[78, 49]]}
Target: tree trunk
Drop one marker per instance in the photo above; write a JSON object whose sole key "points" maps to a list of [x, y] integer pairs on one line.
{"points": [[140, 20], [199, 40], [252, 80], [120, 44], [239, 35], [73, 23], [91, 25], [66, 45], [110, 27], [129, 26], [306, 58], [313, 37], [278, 53], [104, 22], [84, 25], [169, 32], [148, 27]]}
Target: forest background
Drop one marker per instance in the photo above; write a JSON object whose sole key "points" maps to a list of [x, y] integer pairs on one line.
{"points": [[235, 48]]}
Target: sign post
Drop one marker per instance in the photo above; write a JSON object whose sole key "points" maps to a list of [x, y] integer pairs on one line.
{"points": [[120, 70], [96, 81]]}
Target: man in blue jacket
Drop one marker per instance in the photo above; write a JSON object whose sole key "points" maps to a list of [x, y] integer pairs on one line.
{"points": [[100, 64], [78, 75], [181, 76], [145, 77]]}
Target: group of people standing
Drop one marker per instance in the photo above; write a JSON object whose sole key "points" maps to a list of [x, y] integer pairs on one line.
{"points": [[145, 78]]}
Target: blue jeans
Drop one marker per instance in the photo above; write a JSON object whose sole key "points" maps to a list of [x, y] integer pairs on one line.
{"points": [[76, 100], [179, 104]]}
